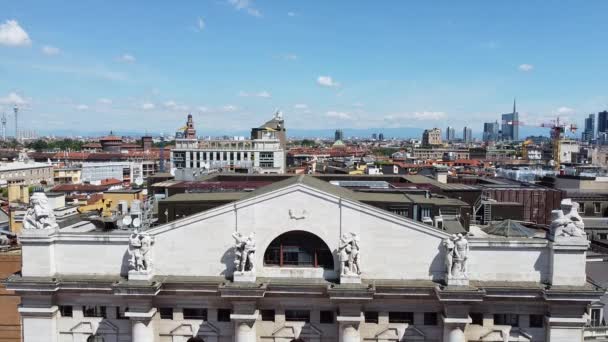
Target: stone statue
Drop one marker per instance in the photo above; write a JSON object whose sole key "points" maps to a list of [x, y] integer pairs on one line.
{"points": [[448, 245], [461, 256], [140, 245], [349, 254], [566, 221], [456, 256], [244, 252], [570, 210], [39, 215]]}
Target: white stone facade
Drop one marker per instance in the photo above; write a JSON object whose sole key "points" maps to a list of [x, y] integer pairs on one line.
{"points": [[264, 155], [518, 289]]}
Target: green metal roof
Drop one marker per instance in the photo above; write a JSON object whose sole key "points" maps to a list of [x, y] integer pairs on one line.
{"points": [[509, 228]]}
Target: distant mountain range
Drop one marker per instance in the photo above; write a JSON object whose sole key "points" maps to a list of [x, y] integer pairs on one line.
{"points": [[406, 132]]}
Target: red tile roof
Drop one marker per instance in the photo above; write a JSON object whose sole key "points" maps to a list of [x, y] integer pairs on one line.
{"points": [[80, 188]]}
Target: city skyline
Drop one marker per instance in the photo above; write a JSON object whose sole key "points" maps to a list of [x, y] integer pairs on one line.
{"points": [[233, 62]]}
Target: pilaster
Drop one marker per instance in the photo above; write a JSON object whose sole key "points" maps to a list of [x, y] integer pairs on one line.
{"points": [[568, 261], [142, 328], [39, 323], [244, 316]]}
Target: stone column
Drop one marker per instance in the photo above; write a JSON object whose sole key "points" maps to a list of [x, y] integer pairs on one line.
{"points": [[244, 331], [565, 329], [39, 323], [142, 329], [454, 333], [244, 317], [453, 329], [349, 322]]}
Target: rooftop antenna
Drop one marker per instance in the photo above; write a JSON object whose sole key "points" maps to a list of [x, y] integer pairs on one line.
{"points": [[16, 111], [3, 120]]}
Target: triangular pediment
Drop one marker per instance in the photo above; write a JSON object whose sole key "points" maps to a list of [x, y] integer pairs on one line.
{"points": [[82, 328], [312, 206], [106, 327], [297, 330], [182, 330], [389, 333], [207, 329]]}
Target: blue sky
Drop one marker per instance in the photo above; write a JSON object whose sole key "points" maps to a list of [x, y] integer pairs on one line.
{"points": [[143, 65]]}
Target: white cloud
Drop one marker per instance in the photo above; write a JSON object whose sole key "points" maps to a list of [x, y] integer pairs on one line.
{"points": [[127, 58], [339, 115], [526, 67], [565, 110], [300, 106], [95, 72], [148, 106], [245, 5], [291, 14], [229, 108], [11, 34], [13, 99], [202, 109], [262, 93], [327, 81], [200, 24], [82, 107], [104, 101], [50, 50], [172, 105], [417, 116], [289, 57]]}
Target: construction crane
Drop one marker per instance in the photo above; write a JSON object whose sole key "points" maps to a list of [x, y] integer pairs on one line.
{"points": [[558, 131]]}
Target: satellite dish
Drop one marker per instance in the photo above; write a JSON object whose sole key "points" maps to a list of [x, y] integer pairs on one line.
{"points": [[137, 222], [139, 181], [127, 220]]}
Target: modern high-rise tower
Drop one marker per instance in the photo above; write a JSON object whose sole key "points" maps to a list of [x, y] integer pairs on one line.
{"points": [[490, 131], [510, 125], [16, 111], [467, 134], [602, 122], [589, 132], [450, 134]]}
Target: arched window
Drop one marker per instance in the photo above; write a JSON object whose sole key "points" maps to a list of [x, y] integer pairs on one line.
{"points": [[95, 338], [298, 248]]}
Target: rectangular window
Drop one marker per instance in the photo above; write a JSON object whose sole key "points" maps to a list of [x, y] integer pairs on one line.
{"points": [[596, 315], [430, 318], [94, 311], [597, 207], [166, 313], [537, 321], [506, 319], [66, 310], [120, 312], [401, 317], [267, 315], [400, 211], [297, 315], [195, 313], [223, 315], [425, 212], [476, 318], [327, 317], [371, 317], [581, 208]]}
